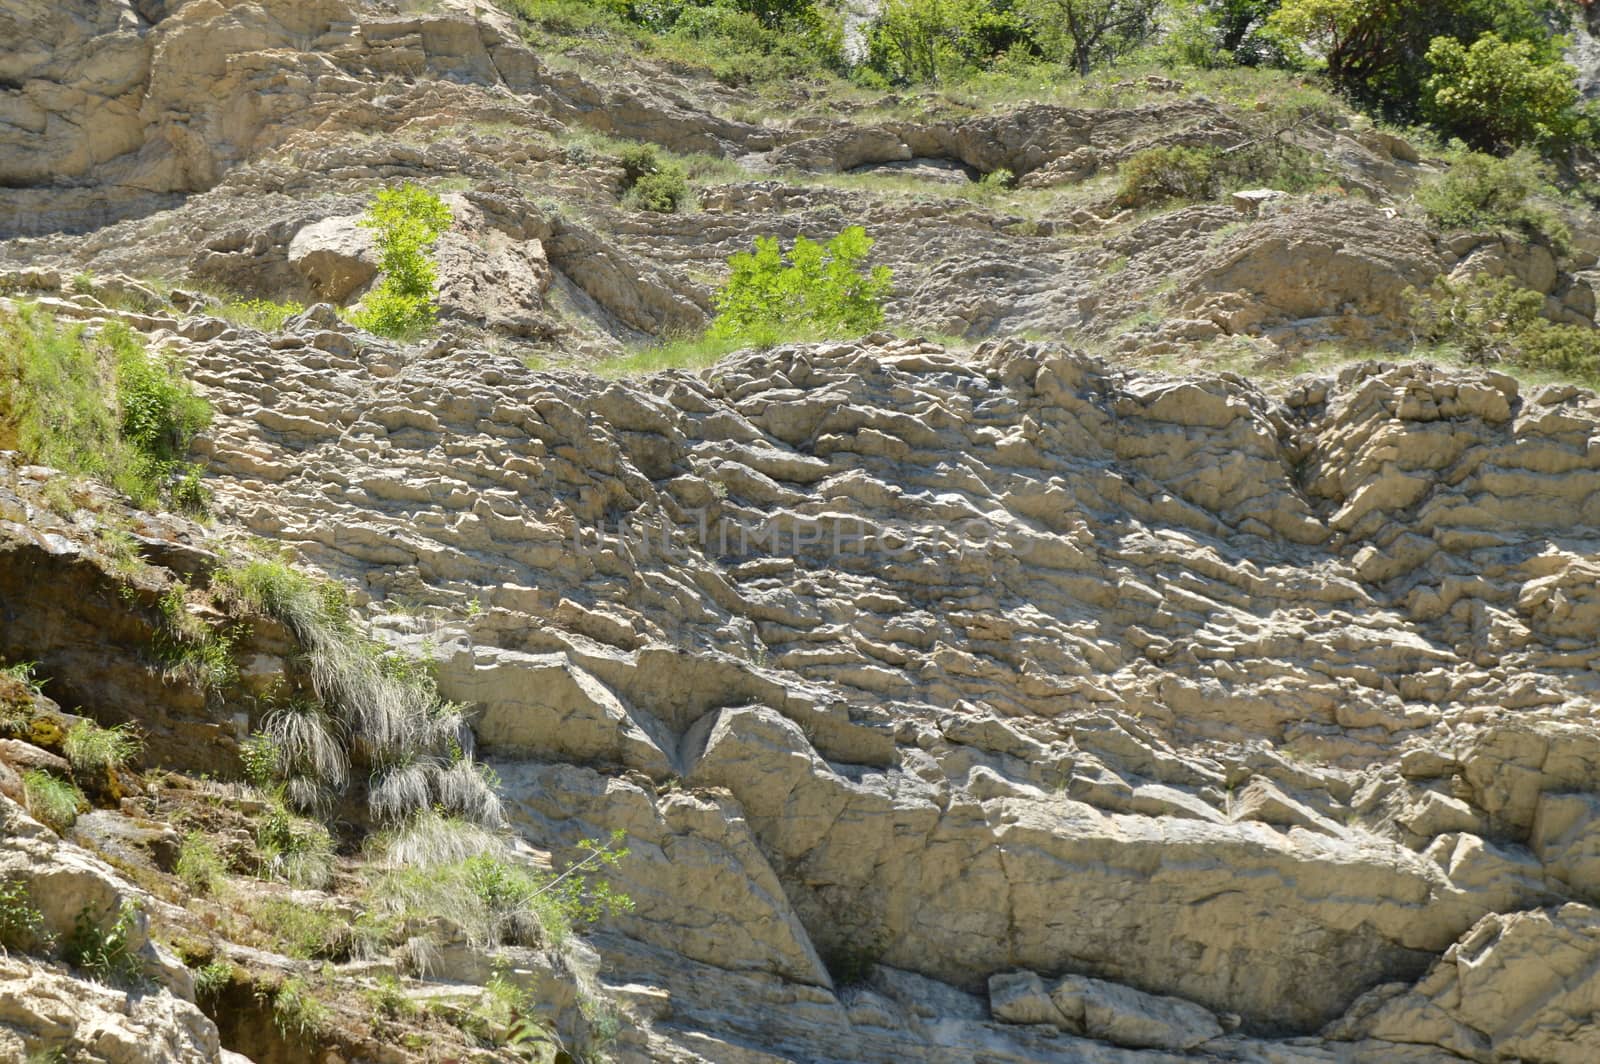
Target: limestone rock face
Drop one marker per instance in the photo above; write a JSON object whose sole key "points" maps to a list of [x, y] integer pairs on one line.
{"points": [[1181, 693], [334, 256], [1518, 986]]}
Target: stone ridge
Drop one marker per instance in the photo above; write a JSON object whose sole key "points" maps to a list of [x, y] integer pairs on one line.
{"points": [[1174, 684]]}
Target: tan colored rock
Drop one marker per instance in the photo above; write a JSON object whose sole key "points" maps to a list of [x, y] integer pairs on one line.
{"points": [[335, 257], [1517, 986]]}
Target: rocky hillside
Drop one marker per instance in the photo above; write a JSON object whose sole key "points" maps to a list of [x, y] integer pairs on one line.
{"points": [[982, 690]]}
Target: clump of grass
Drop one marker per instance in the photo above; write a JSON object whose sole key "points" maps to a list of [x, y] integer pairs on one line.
{"points": [[293, 848], [372, 708], [431, 838], [93, 749], [302, 931], [21, 922], [53, 802], [200, 864], [212, 979], [687, 354], [106, 951], [191, 648], [262, 314], [96, 404], [297, 1012], [493, 898]]}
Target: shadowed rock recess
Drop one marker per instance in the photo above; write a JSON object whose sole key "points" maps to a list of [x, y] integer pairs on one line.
{"points": [[972, 700]]}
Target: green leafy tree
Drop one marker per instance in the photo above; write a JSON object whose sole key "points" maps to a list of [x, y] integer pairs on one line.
{"points": [[916, 41], [1375, 50], [817, 289], [1087, 32], [406, 222], [1498, 95]]}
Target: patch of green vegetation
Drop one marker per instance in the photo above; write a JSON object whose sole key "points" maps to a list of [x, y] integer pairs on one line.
{"points": [[26, 674], [371, 708], [496, 900], [297, 1012], [293, 848], [1496, 321], [263, 314], [97, 404], [406, 222], [820, 289], [105, 950], [1485, 193], [91, 748], [21, 923], [53, 802], [748, 42], [189, 647], [687, 354], [200, 864], [649, 184], [303, 931], [212, 979]]}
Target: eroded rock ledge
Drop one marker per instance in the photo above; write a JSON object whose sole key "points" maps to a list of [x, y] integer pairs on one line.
{"points": [[1253, 702]]}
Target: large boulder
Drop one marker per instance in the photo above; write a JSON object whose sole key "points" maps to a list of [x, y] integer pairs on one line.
{"points": [[335, 256]]}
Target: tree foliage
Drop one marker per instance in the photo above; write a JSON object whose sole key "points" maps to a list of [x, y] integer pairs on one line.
{"points": [[820, 289], [1498, 95], [1085, 33], [406, 222], [1376, 51]]}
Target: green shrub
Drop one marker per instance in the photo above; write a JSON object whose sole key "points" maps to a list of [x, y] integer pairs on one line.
{"points": [[189, 647], [293, 848], [1496, 320], [99, 405], [1486, 193], [1375, 51], [212, 979], [297, 1012], [21, 922], [91, 748], [302, 931], [200, 865], [931, 41], [649, 184], [1161, 175], [816, 289], [663, 193], [53, 802], [106, 953], [406, 222], [1499, 95]]}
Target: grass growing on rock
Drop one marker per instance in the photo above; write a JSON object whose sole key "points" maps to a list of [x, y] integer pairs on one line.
{"points": [[53, 802], [91, 748], [98, 404]]}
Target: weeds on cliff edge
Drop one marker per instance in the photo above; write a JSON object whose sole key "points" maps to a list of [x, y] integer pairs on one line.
{"points": [[200, 864], [406, 222], [103, 946], [97, 404], [191, 649], [52, 802], [296, 1011], [91, 748], [494, 897], [21, 923], [371, 707]]}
